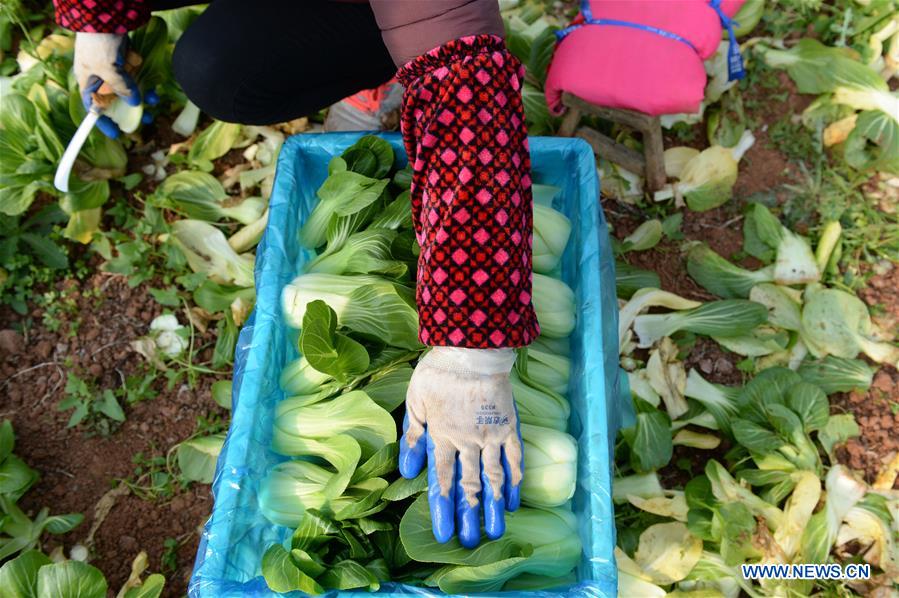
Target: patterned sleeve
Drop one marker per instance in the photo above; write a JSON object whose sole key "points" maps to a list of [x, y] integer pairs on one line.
{"points": [[463, 127], [102, 16]]}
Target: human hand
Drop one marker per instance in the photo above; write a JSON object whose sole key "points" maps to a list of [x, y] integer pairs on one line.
{"points": [[460, 414], [100, 59]]}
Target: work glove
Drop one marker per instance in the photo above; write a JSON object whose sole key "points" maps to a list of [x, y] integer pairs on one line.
{"points": [[99, 59], [461, 416]]}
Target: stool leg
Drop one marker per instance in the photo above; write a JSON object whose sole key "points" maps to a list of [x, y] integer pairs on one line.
{"points": [[569, 122], [653, 152]]}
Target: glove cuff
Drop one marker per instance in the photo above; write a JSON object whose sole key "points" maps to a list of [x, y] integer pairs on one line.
{"points": [[472, 362]]}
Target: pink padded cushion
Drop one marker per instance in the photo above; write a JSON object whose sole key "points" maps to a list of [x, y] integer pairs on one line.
{"points": [[624, 67]]}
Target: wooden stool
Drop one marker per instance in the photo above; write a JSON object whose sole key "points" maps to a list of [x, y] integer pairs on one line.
{"points": [[651, 164]]}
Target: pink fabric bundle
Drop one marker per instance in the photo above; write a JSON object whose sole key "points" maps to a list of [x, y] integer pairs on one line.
{"points": [[626, 67]]}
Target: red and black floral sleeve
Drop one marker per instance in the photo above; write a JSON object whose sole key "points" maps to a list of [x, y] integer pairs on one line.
{"points": [[463, 128], [102, 16]]}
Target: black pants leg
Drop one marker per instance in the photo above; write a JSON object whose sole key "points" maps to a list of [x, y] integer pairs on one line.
{"points": [[269, 61]]}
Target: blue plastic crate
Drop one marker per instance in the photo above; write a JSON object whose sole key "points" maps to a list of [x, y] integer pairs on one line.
{"points": [[237, 534]]}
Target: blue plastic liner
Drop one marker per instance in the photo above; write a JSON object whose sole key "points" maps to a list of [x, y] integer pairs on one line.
{"points": [[237, 534]]}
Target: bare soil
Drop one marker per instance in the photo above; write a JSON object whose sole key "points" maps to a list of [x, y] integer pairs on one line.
{"points": [[77, 465]]}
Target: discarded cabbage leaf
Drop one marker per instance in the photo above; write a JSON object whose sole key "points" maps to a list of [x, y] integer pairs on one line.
{"points": [[843, 492], [667, 377], [646, 236], [706, 181], [214, 142], [676, 158], [201, 196], [646, 298], [758, 342], [795, 262], [837, 374], [207, 251], [837, 323], [797, 512], [644, 485], [720, 277], [685, 437], [724, 318], [783, 311], [667, 552], [674, 506]]}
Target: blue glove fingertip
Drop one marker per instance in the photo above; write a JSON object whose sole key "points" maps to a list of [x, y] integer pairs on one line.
{"points": [[133, 98], [412, 458], [151, 98], [442, 519], [512, 494], [494, 511], [468, 518], [108, 127]]}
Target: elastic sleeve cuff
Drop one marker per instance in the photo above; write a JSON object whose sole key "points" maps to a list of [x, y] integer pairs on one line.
{"points": [[102, 16]]}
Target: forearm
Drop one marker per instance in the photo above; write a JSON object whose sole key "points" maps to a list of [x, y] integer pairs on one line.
{"points": [[102, 16], [463, 127]]}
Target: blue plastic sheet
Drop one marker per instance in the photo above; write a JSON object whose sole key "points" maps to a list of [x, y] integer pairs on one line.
{"points": [[237, 534]]}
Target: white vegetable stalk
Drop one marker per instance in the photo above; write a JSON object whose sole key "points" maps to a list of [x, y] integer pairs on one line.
{"points": [[868, 99], [187, 120], [550, 466]]}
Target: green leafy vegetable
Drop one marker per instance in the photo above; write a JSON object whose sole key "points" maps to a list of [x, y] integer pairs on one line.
{"points": [[725, 318], [721, 277], [365, 304], [837, 323]]}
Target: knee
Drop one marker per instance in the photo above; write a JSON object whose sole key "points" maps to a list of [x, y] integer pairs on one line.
{"points": [[206, 71]]}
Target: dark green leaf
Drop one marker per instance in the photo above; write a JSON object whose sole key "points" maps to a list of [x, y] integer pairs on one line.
{"points": [[388, 387], [282, 575], [401, 488], [15, 476], [347, 575], [309, 564], [7, 439], [18, 577], [327, 350], [837, 374], [379, 464], [223, 354], [810, 403], [221, 393], [313, 531], [51, 254], [63, 524], [651, 446], [150, 588], [109, 406], [839, 429], [70, 579], [755, 437], [380, 151]]}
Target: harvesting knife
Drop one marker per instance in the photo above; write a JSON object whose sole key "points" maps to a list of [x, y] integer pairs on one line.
{"points": [[64, 170]]}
